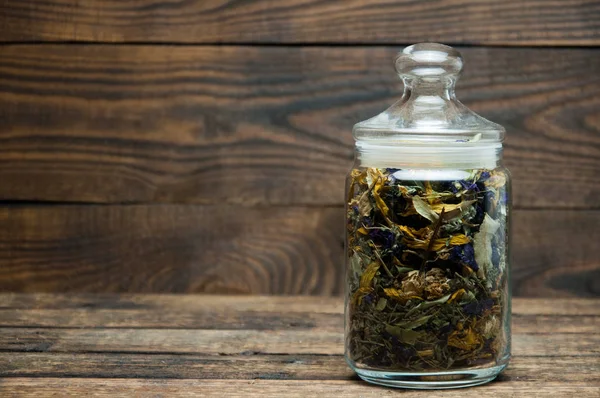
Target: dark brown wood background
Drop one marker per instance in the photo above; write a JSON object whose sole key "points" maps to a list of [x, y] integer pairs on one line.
{"points": [[201, 146]]}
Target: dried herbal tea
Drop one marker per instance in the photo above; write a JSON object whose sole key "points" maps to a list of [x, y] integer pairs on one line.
{"points": [[427, 269]]}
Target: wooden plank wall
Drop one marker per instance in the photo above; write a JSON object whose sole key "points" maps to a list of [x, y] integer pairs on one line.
{"points": [[201, 145]]}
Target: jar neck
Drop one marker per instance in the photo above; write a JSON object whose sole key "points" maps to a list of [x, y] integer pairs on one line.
{"points": [[380, 155], [416, 88]]}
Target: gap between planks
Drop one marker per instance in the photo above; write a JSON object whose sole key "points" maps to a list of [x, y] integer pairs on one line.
{"points": [[239, 303], [275, 388]]}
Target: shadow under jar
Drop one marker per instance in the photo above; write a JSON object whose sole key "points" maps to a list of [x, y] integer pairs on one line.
{"points": [[427, 244]]}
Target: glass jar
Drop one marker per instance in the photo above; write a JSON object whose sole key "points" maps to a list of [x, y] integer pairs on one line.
{"points": [[427, 243]]}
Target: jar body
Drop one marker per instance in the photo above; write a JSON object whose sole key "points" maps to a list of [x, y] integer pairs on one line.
{"points": [[427, 284]]}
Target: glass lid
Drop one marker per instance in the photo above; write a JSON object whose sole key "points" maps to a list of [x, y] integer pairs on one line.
{"points": [[428, 112]]}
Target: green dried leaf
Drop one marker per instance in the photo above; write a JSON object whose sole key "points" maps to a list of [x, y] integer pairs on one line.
{"points": [[424, 209], [402, 270], [454, 211], [355, 265], [414, 324], [381, 304], [405, 336], [427, 304], [469, 297], [439, 323]]}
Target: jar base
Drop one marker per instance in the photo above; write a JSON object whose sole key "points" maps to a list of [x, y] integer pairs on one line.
{"points": [[430, 381]]}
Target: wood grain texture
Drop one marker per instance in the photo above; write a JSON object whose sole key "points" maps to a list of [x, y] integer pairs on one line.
{"points": [[191, 318], [533, 250], [246, 342], [516, 22], [238, 313], [263, 367], [106, 361], [228, 249], [171, 248], [156, 304], [268, 125]]}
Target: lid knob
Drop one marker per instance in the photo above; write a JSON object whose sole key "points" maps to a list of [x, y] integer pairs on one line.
{"points": [[429, 112], [429, 62]]}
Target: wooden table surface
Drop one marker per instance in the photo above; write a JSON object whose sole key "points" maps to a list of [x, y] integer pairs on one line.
{"points": [[240, 346]]}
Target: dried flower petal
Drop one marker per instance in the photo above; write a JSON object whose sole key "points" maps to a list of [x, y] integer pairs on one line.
{"points": [[465, 255], [466, 339], [364, 205], [482, 244], [383, 238], [399, 296], [369, 274], [436, 284], [456, 295], [496, 180], [412, 284], [478, 307]]}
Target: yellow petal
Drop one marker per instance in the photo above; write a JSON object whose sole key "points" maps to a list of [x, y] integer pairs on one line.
{"points": [[456, 295], [360, 293], [414, 233], [459, 239], [467, 340], [399, 295], [359, 176], [380, 203], [369, 274], [456, 240], [393, 293], [429, 192]]}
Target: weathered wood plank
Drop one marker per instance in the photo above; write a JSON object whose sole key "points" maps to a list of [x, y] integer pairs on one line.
{"points": [[156, 303], [516, 22], [262, 125], [235, 342], [214, 249], [247, 320], [232, 319], [210, 319], [223, 303], [272, 388], [280, 367], [233, 249], [246, 363], [532, 249], [250, 320], [214, 342], [562, 306]]}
